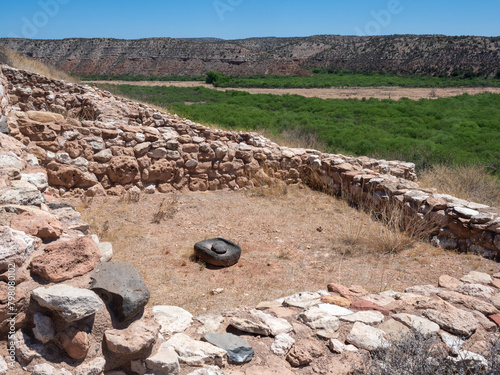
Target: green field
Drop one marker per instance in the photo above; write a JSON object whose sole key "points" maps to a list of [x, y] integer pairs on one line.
{"points": [[325, 79], [458, 130], [321, 78]]}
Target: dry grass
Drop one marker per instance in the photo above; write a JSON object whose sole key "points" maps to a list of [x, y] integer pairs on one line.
{"points": [[473, 183], [295, 138], [25, 63], [292, 242]]}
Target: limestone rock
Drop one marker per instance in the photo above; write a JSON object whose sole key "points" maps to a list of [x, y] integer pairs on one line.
{"points": [[261, 323], [15, 247], [23, 196], [423, 326], [453, 343], [65, 260], [282, 344], [468, 359], [26, 351], [211, 370], [138, 336], [276, 325], [44, 328], [319, 319], [474, 277], [196, 353], [106, 250], [468, 301], [476, 290], [211, 323], [3, 366], [395, 330], [304, 352], [172, 319], [379, 299], [424, 290], [94, 367], [38, 179], [367, 317], [238, 349], [46, 369], [455, 321], [41, 226], [71, 303], [121, 287], [495, 300], [164, 362], [366, 337]]}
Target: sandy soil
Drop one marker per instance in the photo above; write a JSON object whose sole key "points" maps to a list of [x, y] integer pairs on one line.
{"points": [[336, 93], [292, 241]]}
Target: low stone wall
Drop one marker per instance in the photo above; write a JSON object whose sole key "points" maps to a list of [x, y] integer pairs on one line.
{"points": [[94, 143]]}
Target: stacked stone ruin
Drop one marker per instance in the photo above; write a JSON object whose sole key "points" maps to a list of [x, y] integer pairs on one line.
{"points": [[73, 317]]}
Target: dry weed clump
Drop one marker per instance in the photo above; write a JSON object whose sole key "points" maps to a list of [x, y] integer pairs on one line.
{"points": [[414, 354], [473, 183], [166, 210], [25, 63]]}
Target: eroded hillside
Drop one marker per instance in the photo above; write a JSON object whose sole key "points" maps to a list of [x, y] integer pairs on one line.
{"points": [[421, 54]]}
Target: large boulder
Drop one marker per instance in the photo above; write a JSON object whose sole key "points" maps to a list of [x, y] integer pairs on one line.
{"points": [[65, 260], [121, 287]]}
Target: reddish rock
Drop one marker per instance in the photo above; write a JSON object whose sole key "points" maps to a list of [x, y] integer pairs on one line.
{"points": [[496, 319], [340, 290], [63, 175], [123, 169], [304, 352], [363, 305], [75, 343], [41, 226], [496, 283], [449, 282], [65, 260]]}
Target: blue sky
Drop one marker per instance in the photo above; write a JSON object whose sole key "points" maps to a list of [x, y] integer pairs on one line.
{"points": [[232, 19]]}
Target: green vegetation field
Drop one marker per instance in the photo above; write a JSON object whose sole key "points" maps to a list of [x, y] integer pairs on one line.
{"points": [[456, 130], [324, 78]]}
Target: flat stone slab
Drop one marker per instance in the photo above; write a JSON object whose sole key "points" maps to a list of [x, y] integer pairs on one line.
{"points": [[367, 317], [367, 337], [172, 319], [238, 349], [455, 321], [196, 353], [71, 303], [316, 318], [474, 277], [121, 287], [423, 326]]}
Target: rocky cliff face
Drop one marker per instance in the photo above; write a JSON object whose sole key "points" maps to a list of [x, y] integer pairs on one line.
{"points": [[421, 54]]}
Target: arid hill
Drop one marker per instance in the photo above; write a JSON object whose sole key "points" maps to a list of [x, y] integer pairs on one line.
{"points": [[421, 54]]}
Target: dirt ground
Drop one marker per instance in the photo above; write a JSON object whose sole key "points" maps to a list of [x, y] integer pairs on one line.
{"points": [[293, 240], [394, 93]]}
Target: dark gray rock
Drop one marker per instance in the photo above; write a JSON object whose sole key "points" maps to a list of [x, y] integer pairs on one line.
{"points": [[4, 127], [121, 287], [238, 349], [218, 252]]}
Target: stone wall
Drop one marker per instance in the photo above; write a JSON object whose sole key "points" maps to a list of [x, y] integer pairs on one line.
{"points": [[94, 143]]}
